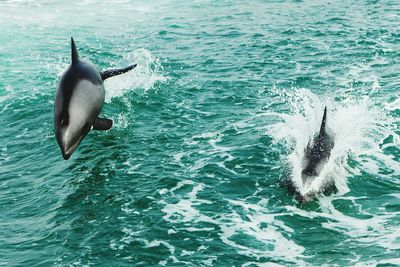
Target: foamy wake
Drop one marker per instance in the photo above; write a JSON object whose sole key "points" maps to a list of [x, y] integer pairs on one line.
{"points": [[146, 74], [354, 122], [260, 227]]}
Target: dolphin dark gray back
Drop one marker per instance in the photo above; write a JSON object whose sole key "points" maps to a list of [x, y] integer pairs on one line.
{"points": [[318, 150]]}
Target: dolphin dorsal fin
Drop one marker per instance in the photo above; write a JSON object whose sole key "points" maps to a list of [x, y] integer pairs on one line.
{"points": [[74, 52], [323, 124]]}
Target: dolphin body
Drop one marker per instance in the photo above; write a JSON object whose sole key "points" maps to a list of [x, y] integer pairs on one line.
{"points": [[78, 102], [317, 152], [316, 155]]}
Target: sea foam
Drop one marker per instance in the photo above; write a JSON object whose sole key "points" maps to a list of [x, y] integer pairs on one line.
{"points": [[352, 121], [146, 74]]}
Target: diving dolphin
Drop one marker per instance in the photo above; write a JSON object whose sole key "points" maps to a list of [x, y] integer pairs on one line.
{"points": [[316, 155], [78, 102]]}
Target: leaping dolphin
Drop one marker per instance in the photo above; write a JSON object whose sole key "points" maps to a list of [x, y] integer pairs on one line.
{"points": [[78, 102]]}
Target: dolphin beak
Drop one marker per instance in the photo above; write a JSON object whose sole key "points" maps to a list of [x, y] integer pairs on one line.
{"points": [[69, 142], [66, 156], [68, 149]]}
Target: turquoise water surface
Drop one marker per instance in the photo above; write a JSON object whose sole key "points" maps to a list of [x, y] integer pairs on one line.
{"points": [[223, 101]]}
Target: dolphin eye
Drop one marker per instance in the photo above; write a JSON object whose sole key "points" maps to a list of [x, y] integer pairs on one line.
{"points": [[64, 121]]}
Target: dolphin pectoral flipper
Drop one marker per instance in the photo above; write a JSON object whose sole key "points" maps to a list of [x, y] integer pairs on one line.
{"points": [[102, 124], [113, 72]]}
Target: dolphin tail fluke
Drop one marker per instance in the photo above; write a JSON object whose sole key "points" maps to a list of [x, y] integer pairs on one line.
{"points": [[323, 124], [109, 73], [102, 124], [74, 52]]}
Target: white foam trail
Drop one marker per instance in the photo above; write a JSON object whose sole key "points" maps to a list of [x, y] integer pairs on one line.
{"points": [[373, 229], [146, 74], [131, 235], [259, 224], [184, 210], [350, 120]]}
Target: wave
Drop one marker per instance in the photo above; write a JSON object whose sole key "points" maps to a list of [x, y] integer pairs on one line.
{"points": [[146, 74]]}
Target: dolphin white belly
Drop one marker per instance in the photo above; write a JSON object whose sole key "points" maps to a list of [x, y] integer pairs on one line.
{"points": [[85, 104]]}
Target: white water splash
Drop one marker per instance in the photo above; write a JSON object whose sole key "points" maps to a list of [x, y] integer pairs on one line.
{"points": [[352, 121], [146, 74]]}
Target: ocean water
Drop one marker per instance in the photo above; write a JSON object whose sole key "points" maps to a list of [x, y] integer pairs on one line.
{"points": [[223, 101]]}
